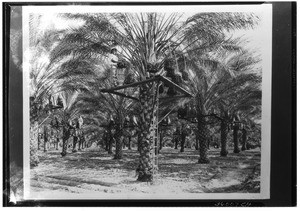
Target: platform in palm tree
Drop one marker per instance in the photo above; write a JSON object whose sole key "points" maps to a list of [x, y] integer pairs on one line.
{"points": [[158, 78]]}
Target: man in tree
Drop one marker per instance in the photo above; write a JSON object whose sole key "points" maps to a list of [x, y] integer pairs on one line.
{"points": [[113, 59]]}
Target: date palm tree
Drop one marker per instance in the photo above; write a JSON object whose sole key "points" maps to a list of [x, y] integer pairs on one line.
{"points": [[147, 40], [218, 78], [249, 99], [109, 112], [41, 42], [102, 110], [241, 91]]}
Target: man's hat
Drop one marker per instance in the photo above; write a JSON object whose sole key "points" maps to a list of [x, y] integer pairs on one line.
{"points": [[113, 49]]}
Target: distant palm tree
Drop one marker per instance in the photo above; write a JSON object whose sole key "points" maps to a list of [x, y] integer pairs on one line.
{"points": [[41, 42], [67, 114], [240, 93], [101, 110], [246, 100], [107, 112], [217, 79]]}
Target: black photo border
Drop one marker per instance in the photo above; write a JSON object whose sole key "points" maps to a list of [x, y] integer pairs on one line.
{"points": [[283, 123]]}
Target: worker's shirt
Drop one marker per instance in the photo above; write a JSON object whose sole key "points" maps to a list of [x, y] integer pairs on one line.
{"points": [[80, 121], [113, 59]]}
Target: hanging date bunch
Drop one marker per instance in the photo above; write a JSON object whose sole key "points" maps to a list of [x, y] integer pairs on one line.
{"points": [[173, 73]]}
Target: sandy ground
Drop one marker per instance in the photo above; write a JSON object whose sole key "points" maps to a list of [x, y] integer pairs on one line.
{"points": [[93, 173]]}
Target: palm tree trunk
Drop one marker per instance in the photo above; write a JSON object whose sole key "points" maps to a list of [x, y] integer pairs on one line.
{"points": [[110, 143], [182, 142], [66, 135], [197, 143], [145, 168], [203, 140], [106, 141], [82, 141], [118, 152], [139, 141], [160, 141], [176, 142], [57, 142], [244, 139], [45, 141], [235, 139], [156, 145], [209, 140], [106, 145], [74, 143], [79, 142], [39, 141], [110, 140], [45, 144], [224, 133], [119, 143], [124, 143], [129, 142]]}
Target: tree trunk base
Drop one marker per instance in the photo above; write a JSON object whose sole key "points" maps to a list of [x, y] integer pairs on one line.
{"points": [[117, 157], [236, 151], [224, 153], [63, 154], [203, 160], [243, 148], [145, 177]]}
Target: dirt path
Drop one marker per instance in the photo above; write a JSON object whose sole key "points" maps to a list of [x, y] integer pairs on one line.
{"points": [[94, 173]]}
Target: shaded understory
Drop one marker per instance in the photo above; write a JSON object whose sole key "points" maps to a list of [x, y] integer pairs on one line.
{"points": [[95, 174]]}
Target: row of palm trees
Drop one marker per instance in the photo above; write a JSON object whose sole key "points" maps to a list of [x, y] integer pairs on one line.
{"points": [[196, 53]]}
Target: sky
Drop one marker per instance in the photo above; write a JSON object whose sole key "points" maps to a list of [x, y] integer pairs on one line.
{"points": [[254, 36]]}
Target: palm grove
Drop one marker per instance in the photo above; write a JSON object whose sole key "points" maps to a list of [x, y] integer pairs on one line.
{"points": [[198, 54]]}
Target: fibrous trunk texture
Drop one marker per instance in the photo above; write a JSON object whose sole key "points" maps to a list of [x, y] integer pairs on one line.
{"points": [[203, 140], [235, 139], [145, 169], [176, 142], [119, 143], [74, 143], [66, 135], [129, 142], [244, 139], [224, 133], [183, 136]]}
